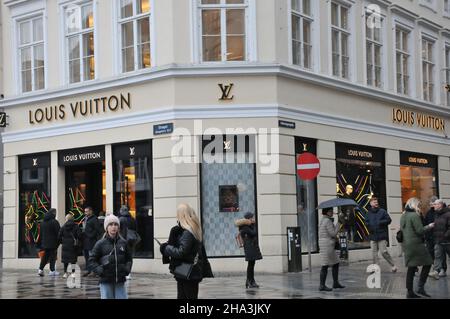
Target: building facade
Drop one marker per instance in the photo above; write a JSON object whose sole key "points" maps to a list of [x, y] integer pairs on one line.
{"points": [[149, 103]]}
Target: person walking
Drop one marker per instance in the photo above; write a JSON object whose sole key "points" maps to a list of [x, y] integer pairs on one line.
{"points": [[186, 247], [91, 233], [247, 230], [49, 242], [69, 237], [377, 220], [327, 244], [111, 260], [128, 229], [441, 236], [414, 248]]}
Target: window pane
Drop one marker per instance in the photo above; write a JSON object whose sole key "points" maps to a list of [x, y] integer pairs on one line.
{"points": [[25, 58], [74, 48], [126, 8], [38, 30], [211, 22], [307, 7], [211, 48], [295, 5], [405, 64], [306, 31], [296, 47], [295, 28], [377, 76], [334, 14], [335, 41], [39, 56], [236, 48], [377, 55], [345, 73], [234, 1], [424, 50], [399, 63], [344, 44], [369, 31], [128, 59], [89, 68], [398, 43], [430, 51], [143, 6], [369, 53], [369, 75], [38, 78], [88, 44], [405, 41], [405, 85], [377, 34], [399, 83], [73, 23], [344, 18], [127, 34], [210, 1], [88, 17], [25, 36], [144, 55], [336, 64], [235, 21], [307, 56], [74, 71], [143, 30], [26, 81]]}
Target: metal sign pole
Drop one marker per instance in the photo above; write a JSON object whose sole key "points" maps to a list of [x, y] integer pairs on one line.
{"points": [[308, 223]]}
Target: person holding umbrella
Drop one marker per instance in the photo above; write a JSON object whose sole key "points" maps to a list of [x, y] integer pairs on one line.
{"points": [[327, 242]]}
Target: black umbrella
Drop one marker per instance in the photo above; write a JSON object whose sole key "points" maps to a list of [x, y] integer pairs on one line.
{"points": [[335, 202]]}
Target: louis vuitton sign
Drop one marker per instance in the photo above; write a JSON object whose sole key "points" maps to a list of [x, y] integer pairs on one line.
{"points": [[417, 119], [81, 108]]}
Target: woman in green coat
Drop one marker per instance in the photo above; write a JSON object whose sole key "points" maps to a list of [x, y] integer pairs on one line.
{"points": [[414, 248]]}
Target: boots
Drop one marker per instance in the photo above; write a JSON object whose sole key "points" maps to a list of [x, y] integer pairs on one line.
{"points": [[251, 284], [323, 278], [421, 290], [411, 294], [335, 273]]}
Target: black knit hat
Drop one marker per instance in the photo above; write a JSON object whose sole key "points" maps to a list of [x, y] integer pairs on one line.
{"points": [[249, 215]]}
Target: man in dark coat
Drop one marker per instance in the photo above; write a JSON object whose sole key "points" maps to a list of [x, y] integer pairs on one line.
{"points": [[49, 242], [91, 233], [441, 234], [377, 220]]}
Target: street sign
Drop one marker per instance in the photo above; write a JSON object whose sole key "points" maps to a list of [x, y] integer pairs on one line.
{"points": [[308, 166]]}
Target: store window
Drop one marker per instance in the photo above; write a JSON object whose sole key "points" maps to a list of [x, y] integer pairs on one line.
{"points": [[360, 175], [133, 188], [307, 200], [227, 190], [418, 175], [34, 200]]}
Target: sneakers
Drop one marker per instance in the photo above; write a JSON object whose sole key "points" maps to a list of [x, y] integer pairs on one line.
{"points": [[66, 275], [394, 269], [53, 273], [442, 273], [40, 273], [434, 274], [128, 277]]}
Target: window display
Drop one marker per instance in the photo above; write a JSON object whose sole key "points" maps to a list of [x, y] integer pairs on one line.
{"points": [[228, 198]]}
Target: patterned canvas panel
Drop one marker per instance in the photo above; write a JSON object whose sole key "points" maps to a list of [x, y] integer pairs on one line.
{"points": [[219, 229]]}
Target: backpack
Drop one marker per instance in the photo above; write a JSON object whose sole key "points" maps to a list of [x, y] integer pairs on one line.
{"points": [[239, 240]]}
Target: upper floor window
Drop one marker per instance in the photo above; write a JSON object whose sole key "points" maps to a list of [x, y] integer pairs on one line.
{"points": [[79, 34], [301, 33], [402, 53], [340, 35], [223, 30], [427, 70], [134, 21], [31, 54], [447, 73], [447, 7], [374, 46]]}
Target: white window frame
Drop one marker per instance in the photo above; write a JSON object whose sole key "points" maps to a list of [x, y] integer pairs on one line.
{"points": [[250, 31], [118, 39], [65, 41], [17, 46], [313, 34], [446, 10], [446, 68], [383, 73], [410, 53], [350, 33], [432, 98]]}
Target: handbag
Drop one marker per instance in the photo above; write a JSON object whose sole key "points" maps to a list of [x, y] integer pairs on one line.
{"points": [[239, 240], [184, 270], [399, 236]]}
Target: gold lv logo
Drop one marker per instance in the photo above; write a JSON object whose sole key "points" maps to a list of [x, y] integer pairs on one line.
{"points": [[227, 145], [35, 163], [304, 147], [226, 90]]}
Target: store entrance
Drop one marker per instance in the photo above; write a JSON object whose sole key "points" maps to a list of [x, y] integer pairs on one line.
{"points": [[85, 186]]}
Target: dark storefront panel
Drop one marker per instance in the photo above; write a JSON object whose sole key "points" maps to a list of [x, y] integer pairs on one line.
{"points": [[307, 198], [34, 200], [133, 187], [419, 177], [360, 175]]}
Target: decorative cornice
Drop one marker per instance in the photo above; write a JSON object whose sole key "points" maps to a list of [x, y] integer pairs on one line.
{"points": [[12, 3], [403, 12], [429, 24]]}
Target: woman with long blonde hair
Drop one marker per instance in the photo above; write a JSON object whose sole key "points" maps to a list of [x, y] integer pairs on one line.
{"points": [[185, 247], [414, 248]]}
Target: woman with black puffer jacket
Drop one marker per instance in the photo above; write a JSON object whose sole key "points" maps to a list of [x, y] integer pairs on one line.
{"points": [[111, 260]]}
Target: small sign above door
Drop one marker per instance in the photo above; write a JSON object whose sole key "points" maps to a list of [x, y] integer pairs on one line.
{"points": [[81, 156]]}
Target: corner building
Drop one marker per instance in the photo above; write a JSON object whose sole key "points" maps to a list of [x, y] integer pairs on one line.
{"points": [[149, 103]]}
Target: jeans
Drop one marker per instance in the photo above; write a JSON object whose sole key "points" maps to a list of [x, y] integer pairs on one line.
{"points": [[86, 257], [380, 246], [187, 289], [49, 256], [113, 291], [440, 255]]}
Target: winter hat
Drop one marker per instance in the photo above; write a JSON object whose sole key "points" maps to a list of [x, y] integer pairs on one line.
{"points": [[109, 220], [438, 201], [248, 215]]}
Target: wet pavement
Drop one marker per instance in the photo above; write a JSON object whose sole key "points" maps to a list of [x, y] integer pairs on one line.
{"points": [[26, 284]]}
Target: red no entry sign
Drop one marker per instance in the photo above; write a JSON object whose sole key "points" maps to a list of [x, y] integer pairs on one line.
{"points": [[308, 166]]}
